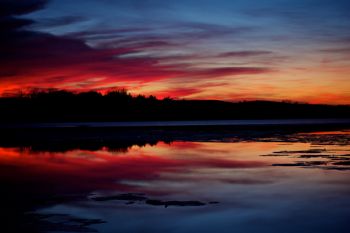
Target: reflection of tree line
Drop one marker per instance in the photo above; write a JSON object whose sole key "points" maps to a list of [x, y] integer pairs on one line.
{"points": [[122, 139], [117, 105], [65, 146]]}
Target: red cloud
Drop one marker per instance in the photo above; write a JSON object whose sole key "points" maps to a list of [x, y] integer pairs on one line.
{"points": [[33, 59]]}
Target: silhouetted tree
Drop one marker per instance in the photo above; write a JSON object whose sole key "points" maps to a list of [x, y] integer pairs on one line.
{"points": [[120, 105]]}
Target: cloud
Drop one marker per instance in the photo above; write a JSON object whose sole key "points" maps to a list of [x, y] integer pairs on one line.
{"points": [[247, 53], [173, 48], [35, 59], [174, 91], [61, 21], [7, 24], [10, 7], [343, 50], [8, 12], [225, 71]]}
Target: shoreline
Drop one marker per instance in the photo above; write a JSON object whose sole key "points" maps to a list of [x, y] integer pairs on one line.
{"points": [[191, 123]]}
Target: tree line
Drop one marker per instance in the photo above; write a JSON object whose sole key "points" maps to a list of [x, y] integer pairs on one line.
{"points": [[54, 105]]}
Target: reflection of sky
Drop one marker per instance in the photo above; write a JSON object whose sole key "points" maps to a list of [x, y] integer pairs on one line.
{"points": [[271, 49], [253, 196]]}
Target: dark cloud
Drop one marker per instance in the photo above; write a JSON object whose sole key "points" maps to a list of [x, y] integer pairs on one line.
{"points": [[10, 9], [22, 48], [8, 24], [18, 7]]}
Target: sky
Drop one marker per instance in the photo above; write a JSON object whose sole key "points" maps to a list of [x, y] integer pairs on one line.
{"points": [[232, 50]]}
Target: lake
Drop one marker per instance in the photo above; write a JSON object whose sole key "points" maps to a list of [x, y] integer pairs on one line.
{"points": [[275, 180]]}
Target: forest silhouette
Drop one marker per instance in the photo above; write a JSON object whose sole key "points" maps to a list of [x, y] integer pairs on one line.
{"points": [[52, 105]]}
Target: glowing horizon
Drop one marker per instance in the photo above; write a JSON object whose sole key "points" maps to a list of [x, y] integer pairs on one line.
{"points": [[228, 50]]}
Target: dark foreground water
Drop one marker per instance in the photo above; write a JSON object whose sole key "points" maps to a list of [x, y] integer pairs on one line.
{"points": [[275, 182]]}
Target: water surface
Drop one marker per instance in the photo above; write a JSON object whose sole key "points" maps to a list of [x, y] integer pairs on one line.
{"points": [[295, 182], [128, 124]]}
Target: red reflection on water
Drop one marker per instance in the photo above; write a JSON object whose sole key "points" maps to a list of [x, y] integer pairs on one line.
{"points": [[329, 133], [86, 171]]}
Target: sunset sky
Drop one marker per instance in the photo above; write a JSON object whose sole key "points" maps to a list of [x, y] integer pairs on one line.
{"points": [[194, 49]]}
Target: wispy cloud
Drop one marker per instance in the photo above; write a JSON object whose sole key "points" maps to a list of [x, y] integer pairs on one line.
{"points": [[176, 46]]}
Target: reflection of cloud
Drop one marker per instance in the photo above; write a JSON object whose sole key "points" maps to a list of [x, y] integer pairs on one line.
{"points": [[106, 170], [245, 181]]}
